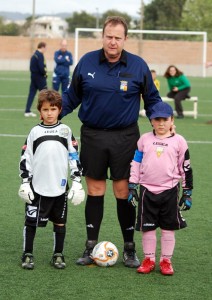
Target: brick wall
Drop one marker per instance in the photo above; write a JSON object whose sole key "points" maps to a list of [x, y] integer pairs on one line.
{"points": [[15, 53]]}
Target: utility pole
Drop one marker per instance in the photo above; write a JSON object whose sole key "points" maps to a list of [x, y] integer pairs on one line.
{"points": [[140, 46], [33, 27]]}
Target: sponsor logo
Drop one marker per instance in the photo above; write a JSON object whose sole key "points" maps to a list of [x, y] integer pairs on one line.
{"points": [[92, 75], [130, 228], [149, 224], [63, 182], [44, 219], [31, 211], [90, 226]]}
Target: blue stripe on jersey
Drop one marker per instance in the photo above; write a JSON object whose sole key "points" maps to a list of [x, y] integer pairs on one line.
{"points": [[138, 156], [73, 156]]}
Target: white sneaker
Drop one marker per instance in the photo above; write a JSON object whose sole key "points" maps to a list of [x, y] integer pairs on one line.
{"points": [[30, 114]]}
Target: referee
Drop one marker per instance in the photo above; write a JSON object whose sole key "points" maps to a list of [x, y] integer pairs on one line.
{"points": [[108, 84]]}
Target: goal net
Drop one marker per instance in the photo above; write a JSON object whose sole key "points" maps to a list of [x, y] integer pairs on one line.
{"points": [[167, 48]]}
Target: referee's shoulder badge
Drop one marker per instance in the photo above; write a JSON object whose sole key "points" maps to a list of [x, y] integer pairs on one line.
{"points": [[123, 85]]}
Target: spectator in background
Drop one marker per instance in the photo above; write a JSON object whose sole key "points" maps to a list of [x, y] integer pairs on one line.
{"points": [[179, 88], [63, 60], [38, 76], [156, 81]]}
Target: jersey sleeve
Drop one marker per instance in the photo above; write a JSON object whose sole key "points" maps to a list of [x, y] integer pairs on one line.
{"points": [[185, 166], [25, 166], [135, 164]]}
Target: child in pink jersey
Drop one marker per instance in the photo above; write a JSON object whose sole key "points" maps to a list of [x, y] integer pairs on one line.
{"points": [[160, 163]]}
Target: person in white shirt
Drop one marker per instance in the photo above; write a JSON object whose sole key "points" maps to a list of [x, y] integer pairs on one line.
{"points": [[48, 151], [160, 163]]}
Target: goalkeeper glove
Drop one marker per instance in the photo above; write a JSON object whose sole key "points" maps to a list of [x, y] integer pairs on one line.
{"points": [[186, 200], [76, 193], [133, 194], [25, 192]]}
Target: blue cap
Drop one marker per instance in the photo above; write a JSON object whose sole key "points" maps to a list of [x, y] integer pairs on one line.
{"points": [[161, 110]]}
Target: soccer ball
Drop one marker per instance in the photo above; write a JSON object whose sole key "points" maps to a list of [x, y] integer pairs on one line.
{"points": [[105, 254]]}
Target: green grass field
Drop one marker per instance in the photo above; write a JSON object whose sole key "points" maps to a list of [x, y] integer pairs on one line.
{"points": [[192, 257]]}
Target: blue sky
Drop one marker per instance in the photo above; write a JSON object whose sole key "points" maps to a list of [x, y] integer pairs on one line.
{"points": [[56, 6]]}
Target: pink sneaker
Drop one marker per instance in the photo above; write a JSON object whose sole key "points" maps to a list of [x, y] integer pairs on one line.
{"points": [[166, 267], [147, 266]]}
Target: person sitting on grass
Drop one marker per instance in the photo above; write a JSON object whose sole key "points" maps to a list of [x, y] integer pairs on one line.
{"points": [[49, 148]]}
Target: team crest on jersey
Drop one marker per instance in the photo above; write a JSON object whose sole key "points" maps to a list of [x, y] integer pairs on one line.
{"points": [[159, 151], [63, 132], [123, 85]]}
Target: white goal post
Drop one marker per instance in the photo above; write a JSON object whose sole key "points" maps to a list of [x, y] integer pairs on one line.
{"points": [[165, 32]]}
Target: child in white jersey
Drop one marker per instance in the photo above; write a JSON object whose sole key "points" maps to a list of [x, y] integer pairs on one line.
{"points": [[161, 161], [49, 148]]}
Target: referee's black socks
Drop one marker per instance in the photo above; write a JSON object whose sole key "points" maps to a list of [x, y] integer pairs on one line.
{"points": [[94, 209], [126, 216]]}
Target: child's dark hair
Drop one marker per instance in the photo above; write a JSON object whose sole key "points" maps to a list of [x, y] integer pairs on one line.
{"points": [[51, 96]]}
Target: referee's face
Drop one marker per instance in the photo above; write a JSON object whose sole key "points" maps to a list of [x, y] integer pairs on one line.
{"points": [[113, 41]]}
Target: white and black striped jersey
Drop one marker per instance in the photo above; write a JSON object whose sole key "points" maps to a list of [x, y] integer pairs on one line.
{"points": [[45, 157]]}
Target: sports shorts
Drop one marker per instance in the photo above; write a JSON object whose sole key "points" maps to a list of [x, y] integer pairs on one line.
{"points": [[44, 209], [159, 210], [108, 153]]}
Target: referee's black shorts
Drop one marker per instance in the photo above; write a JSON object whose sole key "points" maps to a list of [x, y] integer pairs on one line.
{"points": [[159, 210], [108, 150]]}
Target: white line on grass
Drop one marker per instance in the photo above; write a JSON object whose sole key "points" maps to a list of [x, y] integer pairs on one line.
{"points": [[20, 135]]}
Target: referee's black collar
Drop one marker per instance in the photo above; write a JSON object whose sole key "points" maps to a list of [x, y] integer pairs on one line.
{"points": [[123, 58]]}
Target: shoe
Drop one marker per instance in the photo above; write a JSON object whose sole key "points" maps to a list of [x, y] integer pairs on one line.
{"points": [[86, 257], [58, 261], [29, 114], [166, 267], [27, 261], [147, 266], [180, 117], [130, 258]]}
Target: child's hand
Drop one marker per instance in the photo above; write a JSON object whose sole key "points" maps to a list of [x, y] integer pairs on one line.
{"points": [[76, 193], [186, 200], [26, 193], [133, 194]]}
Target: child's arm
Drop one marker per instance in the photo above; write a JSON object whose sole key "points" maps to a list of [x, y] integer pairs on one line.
{"points": [[134, 177], [187, 177], [25, 172], [76, 193]]}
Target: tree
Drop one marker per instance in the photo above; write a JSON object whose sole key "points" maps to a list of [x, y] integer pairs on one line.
{"points": [[163, 15], [114, 12], [81, 19], [196, 16]]}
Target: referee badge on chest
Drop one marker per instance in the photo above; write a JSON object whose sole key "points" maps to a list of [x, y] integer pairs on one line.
{"points": [[123, 85]]}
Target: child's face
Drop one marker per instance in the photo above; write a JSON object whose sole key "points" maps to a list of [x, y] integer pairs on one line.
{"points": [[154, 75], [162, 126], [49, 114]]}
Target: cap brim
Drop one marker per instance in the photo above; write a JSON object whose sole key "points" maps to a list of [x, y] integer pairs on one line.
{"points": [[160, 115]]}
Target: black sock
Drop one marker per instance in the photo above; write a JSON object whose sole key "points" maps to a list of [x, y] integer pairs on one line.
{"points": [[93, 215], [29, 235], [126, 216], [59, 237]]}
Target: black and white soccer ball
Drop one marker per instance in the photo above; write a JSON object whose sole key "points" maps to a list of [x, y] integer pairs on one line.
{"points": [[105, 254]]}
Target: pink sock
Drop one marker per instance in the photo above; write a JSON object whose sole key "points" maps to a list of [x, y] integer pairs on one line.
{"points": [[149, 244], [167, 244]]}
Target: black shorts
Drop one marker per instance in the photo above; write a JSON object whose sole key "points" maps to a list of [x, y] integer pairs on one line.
{"points": [[44, 209], [159, 210], [103, 150]]}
